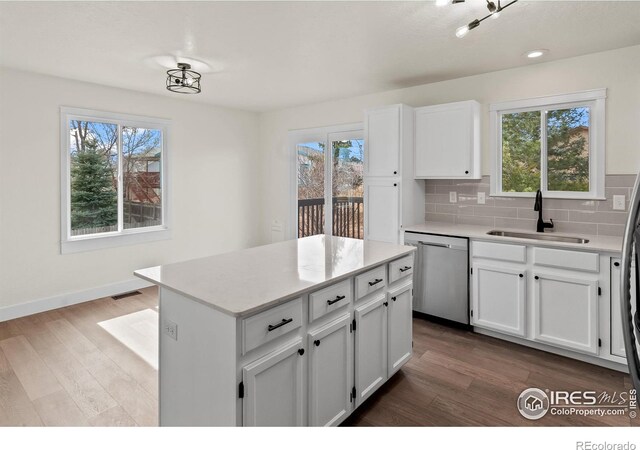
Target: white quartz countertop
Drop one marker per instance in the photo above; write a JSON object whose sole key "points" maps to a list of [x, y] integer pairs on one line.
{"points": [[247, 281], [609, 244]]}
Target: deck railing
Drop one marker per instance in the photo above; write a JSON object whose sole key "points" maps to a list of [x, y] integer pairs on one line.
{"points": [[347, 217]]}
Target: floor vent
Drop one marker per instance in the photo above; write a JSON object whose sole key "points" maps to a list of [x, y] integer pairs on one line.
{"points": [[125, 295]]}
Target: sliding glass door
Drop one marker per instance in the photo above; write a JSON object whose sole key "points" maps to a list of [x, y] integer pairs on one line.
{"points": [[329, 184]]}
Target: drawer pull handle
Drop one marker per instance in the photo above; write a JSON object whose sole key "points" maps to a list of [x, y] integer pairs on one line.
{"points": [[405, 268], [376, 281], [337, 299], [284, 322], [316, 342]]}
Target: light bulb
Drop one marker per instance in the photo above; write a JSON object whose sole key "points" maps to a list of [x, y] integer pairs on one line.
{"points": [[495, 15], [462, 31], [188, 81], [535, 53]]}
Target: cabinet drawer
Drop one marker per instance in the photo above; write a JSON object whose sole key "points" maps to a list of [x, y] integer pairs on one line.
{"points": [[371, 281], [329, 299], [566, 259], [502, 252], [400, 268], [270, 324]]}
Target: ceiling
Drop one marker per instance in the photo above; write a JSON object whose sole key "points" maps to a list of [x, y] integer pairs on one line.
{"points": [[271, 55]]}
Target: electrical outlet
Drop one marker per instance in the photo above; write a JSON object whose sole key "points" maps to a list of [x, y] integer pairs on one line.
{"points": [[453, 197], [619, 202], [481, 198], [170, 329]]}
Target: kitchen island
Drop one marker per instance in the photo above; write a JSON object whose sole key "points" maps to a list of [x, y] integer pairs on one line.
{"points": [[299, 332]]}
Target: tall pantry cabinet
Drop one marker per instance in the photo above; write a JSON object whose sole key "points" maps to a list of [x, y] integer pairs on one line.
{"points": [[392, 198]]}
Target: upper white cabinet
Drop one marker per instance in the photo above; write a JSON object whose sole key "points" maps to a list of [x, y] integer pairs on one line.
{"points": [[447, 141], [384, 140]]}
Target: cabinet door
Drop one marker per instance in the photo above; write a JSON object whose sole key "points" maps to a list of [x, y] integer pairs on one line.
{"points": [[445, 142], [499, 298], [617, 336], [382, 210], [273, 388], [371, 347], [565, 312], [382, 142], [399, 328], [330, 372]]}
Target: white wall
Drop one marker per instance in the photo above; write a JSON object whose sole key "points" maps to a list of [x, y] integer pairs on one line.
{"points": [[616, 70], [213, 189]]}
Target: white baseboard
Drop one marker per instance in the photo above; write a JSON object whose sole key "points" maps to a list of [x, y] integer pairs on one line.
{"points": [[59, 301]]}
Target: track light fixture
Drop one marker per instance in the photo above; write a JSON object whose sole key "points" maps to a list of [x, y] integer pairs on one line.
{"points": [[494, 12]]}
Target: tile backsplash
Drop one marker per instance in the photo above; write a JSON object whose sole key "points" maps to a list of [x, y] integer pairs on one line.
{"points": [[569, 216]]}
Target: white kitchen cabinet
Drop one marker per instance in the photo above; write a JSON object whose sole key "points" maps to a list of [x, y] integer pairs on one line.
{"points": [[371, 347], [447, 141], [381, 206], [388, 163], [399, 328], [383, 143], [565, 311], [617, 333], [499, 295], [274, 394], [330, 372]]}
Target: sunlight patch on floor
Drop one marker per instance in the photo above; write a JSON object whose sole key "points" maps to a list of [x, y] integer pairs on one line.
{"points": [[138, 331]]}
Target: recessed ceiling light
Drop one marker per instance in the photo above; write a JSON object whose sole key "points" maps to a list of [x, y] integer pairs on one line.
{"points": [[536, 53]]}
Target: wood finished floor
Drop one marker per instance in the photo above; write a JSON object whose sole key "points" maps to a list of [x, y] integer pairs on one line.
{"points": [[62, 368]]}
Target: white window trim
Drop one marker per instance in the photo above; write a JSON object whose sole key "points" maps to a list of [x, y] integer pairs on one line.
{"points": [[75, 244], [595, 99], [321, 134]]}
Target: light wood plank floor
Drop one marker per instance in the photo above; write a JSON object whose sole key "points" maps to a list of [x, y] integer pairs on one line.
{"points": [[63, 368]]}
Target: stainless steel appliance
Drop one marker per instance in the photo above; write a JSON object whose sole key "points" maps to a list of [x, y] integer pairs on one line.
{"points": [[441, 276], [630, 306]]}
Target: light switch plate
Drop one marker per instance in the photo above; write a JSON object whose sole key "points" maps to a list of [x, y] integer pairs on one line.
{"points": [[453, 197], [619, 202], [170, 329], [481, 198]]}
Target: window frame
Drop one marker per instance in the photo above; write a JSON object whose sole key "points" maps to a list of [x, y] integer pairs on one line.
{"points": [[595, 100], [321, 134], [74, 244]]}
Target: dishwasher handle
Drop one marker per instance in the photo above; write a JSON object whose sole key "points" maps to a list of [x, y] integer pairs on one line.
{"points": [[434, 244]]}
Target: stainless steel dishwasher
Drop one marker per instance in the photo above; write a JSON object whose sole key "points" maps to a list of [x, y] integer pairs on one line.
{"points": [[441, 276]]}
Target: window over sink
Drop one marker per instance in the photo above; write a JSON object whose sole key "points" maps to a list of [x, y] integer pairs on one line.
{"points": [[555, 144]]}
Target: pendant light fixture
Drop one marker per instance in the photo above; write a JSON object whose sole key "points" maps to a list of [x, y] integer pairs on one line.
{"points": [[183, 80], [494, 12]]}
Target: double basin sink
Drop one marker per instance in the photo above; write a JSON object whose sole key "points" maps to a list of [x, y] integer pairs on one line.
{"points": [[538, 236]]}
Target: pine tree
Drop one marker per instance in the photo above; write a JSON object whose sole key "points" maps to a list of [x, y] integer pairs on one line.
{"points": [[94, 202]]}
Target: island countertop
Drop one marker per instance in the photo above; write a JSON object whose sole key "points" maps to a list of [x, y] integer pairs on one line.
{"points": [[247, 281]]}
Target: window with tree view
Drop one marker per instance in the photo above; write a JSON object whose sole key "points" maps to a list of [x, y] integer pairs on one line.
{"points": [[115, 180], [557, 148]]}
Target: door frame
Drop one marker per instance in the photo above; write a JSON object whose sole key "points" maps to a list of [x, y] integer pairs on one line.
{"points": [[324, 135]]}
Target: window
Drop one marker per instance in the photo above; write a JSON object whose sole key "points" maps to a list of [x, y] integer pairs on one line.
{"points": [[114, 181], [327, 189], [555, 144]]}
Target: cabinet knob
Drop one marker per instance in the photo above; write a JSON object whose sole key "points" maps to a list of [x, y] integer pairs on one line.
{"points": [[301, 351], [521, 276], [466, 172], [395, 184], [386, 303], [617, 264], [395, 172], [537, 277], [393, 298], [316, 342]]}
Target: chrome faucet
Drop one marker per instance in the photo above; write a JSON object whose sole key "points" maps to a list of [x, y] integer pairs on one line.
{"points": [[541, 225]]}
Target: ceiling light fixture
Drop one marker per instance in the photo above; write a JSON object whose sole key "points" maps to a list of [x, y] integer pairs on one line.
{"points": [[494, 11], [448, 2], [183, 80], [536, 53]]}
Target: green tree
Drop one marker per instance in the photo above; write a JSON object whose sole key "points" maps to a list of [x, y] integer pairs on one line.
{"points": [[94, 202], [521, 152]]}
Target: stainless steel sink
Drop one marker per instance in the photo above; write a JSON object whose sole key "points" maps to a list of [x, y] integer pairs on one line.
{"points": [[538, 236]]}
